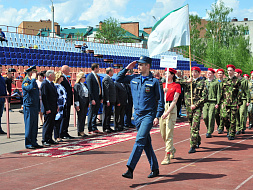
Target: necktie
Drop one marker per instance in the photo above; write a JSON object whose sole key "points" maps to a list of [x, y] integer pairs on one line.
{"points": [[99, 85]]}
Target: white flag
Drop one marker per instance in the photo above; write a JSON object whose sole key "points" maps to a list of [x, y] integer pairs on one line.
{"points": [[170, 31]]}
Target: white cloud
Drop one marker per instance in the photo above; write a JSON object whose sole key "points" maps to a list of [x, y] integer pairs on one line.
{"points": [[194, 13], [234, 4]]}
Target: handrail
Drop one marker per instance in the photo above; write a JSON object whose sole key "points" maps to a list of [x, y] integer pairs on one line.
{"points": [[195, 58]]}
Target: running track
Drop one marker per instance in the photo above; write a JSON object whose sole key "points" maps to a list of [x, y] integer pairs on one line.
{"points": [[217, 164]]}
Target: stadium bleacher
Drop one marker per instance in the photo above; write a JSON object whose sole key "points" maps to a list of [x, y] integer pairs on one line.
{"points": [[52, 53]]}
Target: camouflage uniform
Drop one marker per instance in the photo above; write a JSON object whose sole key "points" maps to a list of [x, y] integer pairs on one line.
{"points": [[199, 93], [213, 89], [242, 112], [250, 108], [230, 98], [219, 120]]}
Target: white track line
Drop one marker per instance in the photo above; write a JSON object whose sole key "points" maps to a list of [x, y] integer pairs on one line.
{"points": [[70, 156], [239, 186], [196, 162]]}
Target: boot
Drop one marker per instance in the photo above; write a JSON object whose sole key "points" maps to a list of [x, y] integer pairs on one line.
{"points": [[166, 159], [172, 154]]}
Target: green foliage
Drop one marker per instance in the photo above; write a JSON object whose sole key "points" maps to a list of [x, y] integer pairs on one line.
{"points": [[223, 43], [111, 31]]}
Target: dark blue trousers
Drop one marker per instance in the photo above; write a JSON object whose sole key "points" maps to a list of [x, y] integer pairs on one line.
{"points": [[92, 116], [143, 141], [31, 126]]}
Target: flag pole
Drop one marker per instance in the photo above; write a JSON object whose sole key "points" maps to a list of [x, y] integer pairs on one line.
{"points": [[190, 70]]}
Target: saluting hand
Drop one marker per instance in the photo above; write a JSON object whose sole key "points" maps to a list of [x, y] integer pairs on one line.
{"points": [[93, 102], [131, 65]]}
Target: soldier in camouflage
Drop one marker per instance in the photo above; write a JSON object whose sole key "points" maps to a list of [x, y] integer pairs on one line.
{"points": [[219, 120], [250, 108], [213, 89], [194, 111], [231, 100], [245, 97]]}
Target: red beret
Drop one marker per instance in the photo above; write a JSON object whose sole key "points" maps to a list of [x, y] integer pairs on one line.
{"points": [[238, 71], [220, 70], [172, 70], [251, 72], [246, 75], [196, 69], [210, 69], [232, 66]]}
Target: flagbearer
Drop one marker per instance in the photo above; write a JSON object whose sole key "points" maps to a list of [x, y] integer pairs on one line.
{"points": [[250, 108], [231, 100], [194, 109], [213, 89], [219, 120], [242, 112]]}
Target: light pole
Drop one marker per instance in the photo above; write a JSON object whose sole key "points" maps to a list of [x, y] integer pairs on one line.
{"points": [[52, 22]]}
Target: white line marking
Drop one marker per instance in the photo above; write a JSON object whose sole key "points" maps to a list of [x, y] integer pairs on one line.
{"points": [[193, 163], [239, 186]]}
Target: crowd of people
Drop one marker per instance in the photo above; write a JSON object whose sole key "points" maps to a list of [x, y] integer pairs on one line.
{"points": [[155, 99]]}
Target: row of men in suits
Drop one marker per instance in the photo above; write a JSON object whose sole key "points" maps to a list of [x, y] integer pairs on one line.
{"points": [[111, 94]]}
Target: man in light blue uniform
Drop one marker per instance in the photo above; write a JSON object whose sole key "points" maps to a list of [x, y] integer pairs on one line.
{"points": [[31, 108], [148, 100]]}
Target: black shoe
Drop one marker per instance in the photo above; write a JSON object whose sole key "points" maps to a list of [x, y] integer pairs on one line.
{"points": [[131, 126], [39, 146], [125, 128], [192, 150], [52, 142], [208, 135], [107, 131], [154, 173], [2, 132], [46, 144], [238, 132], [220, 131], [243, 131], [231, 138], [198, 144], [68, 137], [128, 174], [31, 147]]}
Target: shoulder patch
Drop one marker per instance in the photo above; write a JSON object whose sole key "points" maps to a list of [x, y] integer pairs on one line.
{"points": [[26, 84]]}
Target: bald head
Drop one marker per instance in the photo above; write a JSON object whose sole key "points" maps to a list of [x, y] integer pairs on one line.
{"points": [[65, 69]]}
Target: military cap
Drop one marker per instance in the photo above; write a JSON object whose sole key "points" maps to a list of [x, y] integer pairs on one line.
{"points": [[210, 69], [232, 66], [238, 71], [32, 68], [145, 59], [246, 75], [172, 70], [196, 69], [220, 70], [251, 72]]}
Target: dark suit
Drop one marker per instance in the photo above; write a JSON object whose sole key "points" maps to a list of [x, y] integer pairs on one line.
{"points": [[129, 107], [65, 120], [93, 87], [49, 99], [79, 98], [109, 94], [121, 99]]}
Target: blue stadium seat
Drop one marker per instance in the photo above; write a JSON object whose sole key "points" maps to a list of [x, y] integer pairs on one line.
{"points": [[20, 62], [11, 49], [21, 50], [38, 56], [54, 63], [2, 54], [8, 61], [28, 56], [45, 62], [26, 50], [71, 63], [58, 63], [51, 57], [35, 62], [30, 62], [2, 60], [33, 56], [56, 57], [7, 54], [14, 61], [47, 56], [18, 55], [25, 62], [40, 62], [31, 50], [6, 49], [42, 56]]}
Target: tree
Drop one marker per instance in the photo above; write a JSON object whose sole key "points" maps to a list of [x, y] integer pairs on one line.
{"points": [[226, 43], [111, 31]]}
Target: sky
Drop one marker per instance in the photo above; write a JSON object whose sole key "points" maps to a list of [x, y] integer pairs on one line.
{"points": [[83, 13]]}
